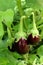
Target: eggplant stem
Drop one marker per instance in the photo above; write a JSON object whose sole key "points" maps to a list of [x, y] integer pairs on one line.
{"points": [[34, 24], [21, 23]]}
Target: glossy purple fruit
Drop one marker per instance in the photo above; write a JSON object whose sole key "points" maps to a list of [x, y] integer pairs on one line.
{"points": [[21, 46], [33, 40]]}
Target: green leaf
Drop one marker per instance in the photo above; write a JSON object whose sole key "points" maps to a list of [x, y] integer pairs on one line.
{"points": [[6, 4], [31, 58], [3, 44], [6, 58], [40, 51], [41, 59], [8, 17], [34, 4], [16, 55]]}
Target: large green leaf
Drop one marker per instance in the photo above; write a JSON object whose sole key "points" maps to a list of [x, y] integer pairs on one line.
{"points": [[6, 58], [40, 51], [8, 17], [5, 4], [37, 4]]}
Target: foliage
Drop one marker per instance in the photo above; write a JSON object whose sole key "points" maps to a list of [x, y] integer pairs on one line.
{"points": [[10, 14]]}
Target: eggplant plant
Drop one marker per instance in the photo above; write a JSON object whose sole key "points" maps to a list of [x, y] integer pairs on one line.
{"points": [[21, 32], [34, 36], [20, 45]]}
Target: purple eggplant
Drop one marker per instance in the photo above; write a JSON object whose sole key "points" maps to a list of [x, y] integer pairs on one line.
{"points": [[21, 46], [34, 36], [33, 40]]}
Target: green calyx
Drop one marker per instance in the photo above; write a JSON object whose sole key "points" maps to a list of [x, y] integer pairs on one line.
{"points": [[21, 33]]}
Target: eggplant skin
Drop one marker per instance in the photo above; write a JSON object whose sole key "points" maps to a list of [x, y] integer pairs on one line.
{"points": [[33, 41], [21, 46]]}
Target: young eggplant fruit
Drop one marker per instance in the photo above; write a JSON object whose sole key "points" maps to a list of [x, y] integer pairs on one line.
{"points": [[34, 37], [33, 40], [20, 44]]}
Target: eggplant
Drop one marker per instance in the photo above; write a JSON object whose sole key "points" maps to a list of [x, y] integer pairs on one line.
{"points": [[21, 46], [33, 37], [33, 40]]}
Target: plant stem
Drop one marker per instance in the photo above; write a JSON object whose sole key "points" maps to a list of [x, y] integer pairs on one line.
{"points": [[34, 25], [21, 24], [19, 7]]}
